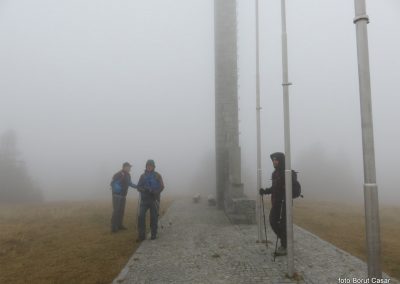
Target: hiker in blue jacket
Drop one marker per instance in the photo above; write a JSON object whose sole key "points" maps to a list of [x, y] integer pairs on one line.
{"points": [[120, 183], [150, 186]]}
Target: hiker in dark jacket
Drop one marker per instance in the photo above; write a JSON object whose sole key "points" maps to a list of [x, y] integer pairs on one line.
{"points": [[150, 186], [120, 183], [277, 215]]}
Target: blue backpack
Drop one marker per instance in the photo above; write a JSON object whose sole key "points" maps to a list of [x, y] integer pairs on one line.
{"points": [[116, 186], [152, 183]]}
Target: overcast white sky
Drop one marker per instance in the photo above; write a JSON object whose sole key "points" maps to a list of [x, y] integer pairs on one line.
{"points": [[90, 84]]}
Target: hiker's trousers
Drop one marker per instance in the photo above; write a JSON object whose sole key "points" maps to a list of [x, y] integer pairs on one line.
{"points": [[277, 219], [144, 206], [118, 202]]}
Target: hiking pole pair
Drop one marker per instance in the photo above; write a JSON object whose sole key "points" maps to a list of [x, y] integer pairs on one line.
{"points": [[280, 220], [265, 225]]}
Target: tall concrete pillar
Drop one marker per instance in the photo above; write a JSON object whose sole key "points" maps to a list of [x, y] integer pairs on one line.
{"points": [[226, 92]]}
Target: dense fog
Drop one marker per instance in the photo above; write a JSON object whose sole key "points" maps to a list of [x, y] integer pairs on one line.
{"points": [[88, 85]]}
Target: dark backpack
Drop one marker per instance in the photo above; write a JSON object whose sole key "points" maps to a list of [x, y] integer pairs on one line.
{"points": [[296, 187]]}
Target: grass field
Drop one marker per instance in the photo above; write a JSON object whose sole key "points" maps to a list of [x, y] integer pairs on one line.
{"points": [[344, 226], [64, 242]]}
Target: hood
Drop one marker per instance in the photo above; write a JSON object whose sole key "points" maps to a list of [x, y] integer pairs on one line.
{"points": [[281, 158], [151, 163]]}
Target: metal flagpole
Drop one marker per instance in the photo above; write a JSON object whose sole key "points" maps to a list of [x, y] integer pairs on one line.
{"points": [[258, 110], [370, 187], [288, 171]]}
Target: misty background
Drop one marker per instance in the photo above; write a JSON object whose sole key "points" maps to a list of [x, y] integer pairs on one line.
{"points": [[87, 85]]}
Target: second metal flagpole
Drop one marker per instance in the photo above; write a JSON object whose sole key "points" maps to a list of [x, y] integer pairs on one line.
{"points": [[288, 170], [258, 110]]}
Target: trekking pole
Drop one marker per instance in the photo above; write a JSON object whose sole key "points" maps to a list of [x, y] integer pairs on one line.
{"points": [[158, 213], [137, 213], [158, 207], [265, 225], [280, 220]]}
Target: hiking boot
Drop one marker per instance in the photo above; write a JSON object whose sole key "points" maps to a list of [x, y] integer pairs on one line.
{"points": [[123, 228], [281, 251], [153, 238]]}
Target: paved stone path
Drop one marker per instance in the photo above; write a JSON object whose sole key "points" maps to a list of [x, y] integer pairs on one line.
{"points": [[197, 244]]}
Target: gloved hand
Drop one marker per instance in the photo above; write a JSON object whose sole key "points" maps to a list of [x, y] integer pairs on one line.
{"points": [[265, 191], [143, 188]]}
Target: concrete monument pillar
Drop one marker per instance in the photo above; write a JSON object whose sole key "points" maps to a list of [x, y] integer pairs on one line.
{"points": [[226, 98], [230, 196]]}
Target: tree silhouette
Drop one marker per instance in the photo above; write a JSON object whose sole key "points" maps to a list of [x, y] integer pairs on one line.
{"points": [[15, 182]]}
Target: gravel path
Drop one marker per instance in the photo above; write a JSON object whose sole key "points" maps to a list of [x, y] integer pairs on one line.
{"points": [[198, 244]]}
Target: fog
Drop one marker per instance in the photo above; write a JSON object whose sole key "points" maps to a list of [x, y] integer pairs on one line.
{"points": [[88, 85]]}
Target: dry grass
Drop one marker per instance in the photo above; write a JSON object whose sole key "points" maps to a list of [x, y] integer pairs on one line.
{"points": [[344, 226], [64, 242]]}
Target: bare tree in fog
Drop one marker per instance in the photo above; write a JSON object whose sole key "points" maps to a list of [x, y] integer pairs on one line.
{"points": [[15, 183]]}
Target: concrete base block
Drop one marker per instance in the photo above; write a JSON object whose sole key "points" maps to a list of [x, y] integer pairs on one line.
{"points": [[241, 210]]}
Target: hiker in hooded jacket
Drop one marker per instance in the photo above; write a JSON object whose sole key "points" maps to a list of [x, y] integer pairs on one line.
{"points": [[277, 215], [150, 186], [120, 183]]}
